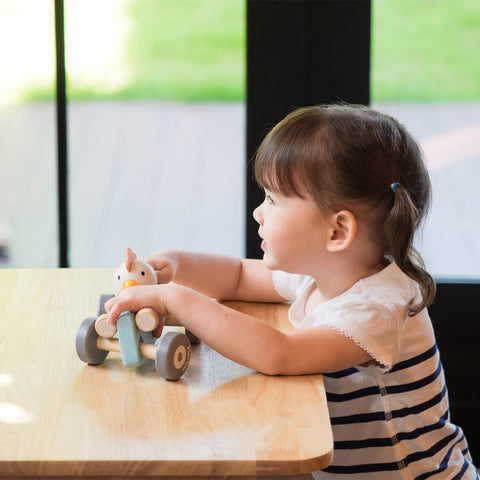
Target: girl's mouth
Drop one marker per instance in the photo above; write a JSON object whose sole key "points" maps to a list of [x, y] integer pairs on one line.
{"points": [[263, 245]]}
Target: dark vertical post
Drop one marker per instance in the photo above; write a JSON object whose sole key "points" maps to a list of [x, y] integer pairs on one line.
{"points": [[300, 52], [62, 164]]}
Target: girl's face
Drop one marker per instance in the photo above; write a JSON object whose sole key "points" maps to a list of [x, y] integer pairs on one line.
{"points": [[293, 233]]}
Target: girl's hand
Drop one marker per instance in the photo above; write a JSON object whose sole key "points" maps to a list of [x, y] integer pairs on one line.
{"points": [[136, 298], [165, 264]]}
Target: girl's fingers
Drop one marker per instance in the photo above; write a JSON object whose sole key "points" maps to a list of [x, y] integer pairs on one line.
{"points": [[112, 313], [162, 269], [164, 274], [109, 303], [133, 298], [115, 306], [164, 266]]}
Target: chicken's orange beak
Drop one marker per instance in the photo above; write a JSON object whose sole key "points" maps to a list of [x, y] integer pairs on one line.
{"points": [[129, 283]]}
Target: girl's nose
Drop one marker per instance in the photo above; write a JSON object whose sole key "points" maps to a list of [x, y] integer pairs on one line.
{"points": [[257, 215]]}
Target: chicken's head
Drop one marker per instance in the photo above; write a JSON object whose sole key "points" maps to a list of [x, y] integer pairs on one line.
{"points": [[133, 272]]}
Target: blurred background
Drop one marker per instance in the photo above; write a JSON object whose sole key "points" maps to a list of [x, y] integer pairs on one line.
{"points": [[156, 125]]}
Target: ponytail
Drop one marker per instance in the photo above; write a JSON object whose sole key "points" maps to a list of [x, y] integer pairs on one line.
{"points": [[400, 226]]}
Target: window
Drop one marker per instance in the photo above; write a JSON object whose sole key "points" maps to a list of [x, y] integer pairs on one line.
{"points": [[156, 129], [28, 198], [425, 73]]}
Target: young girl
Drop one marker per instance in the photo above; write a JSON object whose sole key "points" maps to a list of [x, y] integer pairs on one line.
{"points": [[345, 191]]}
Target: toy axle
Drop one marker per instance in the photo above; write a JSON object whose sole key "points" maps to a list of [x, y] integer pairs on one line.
{"points": [[113, 345]]}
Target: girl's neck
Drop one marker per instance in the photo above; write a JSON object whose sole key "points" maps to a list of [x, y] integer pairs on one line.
{"points": [[331, 283]]}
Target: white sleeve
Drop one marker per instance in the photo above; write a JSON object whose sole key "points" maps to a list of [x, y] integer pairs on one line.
{"points": [[287, 284], [372, 326]]}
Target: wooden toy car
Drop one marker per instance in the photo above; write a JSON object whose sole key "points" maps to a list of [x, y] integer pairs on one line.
{"points": [[132, 336]]}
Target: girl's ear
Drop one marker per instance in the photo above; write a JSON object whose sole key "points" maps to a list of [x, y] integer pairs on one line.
{"points": [[342, 231]]}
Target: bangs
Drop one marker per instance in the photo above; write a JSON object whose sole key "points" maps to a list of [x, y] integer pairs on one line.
{"points": [[275, 170], [287, 161]]}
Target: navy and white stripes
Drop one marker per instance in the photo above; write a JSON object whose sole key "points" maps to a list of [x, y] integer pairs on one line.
{"points": [[399, 450], [390, 418]]}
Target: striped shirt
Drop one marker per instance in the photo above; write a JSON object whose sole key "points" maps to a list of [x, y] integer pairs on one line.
{"points": [[389, 419]]}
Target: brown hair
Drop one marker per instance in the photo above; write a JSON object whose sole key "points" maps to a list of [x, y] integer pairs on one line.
{"points": [[348, 157]]}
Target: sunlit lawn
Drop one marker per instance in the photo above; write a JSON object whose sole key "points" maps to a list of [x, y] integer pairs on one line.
{"points": [[422, 50], [188, 50], [425, 50]]}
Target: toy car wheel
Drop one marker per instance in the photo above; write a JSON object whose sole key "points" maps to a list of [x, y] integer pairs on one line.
{"points": [[86, 343], [173, 355], [104, 297]]}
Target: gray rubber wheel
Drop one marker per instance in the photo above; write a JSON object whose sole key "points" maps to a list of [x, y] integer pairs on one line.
{"points": [[104, 297], [173, 355], [86, 343]]}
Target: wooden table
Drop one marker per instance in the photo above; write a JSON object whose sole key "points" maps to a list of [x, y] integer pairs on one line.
{"points": [[60, 417]]}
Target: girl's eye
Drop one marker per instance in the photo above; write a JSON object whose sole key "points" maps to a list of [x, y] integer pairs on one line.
{"points": [[269, 200]]}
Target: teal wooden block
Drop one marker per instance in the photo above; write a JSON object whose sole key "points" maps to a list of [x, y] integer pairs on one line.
{"points": [[129, 339]]}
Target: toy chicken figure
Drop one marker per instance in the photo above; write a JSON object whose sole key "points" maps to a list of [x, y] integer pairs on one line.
{"points": [[132, 273]]}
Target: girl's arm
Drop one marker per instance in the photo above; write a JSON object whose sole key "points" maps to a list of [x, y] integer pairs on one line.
{"points": [[216, 276], [242, 338]]}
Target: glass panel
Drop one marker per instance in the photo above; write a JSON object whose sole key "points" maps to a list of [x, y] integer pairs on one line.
{"points": [[28, 195], [425, 72], [156, 127]]}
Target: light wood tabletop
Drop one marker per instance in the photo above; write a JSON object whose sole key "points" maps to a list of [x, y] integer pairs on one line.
{"points": [[61, 417]]}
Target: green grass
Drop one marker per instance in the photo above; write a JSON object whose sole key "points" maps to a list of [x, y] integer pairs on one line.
{"points": [[190, 49], [194, 50], [425, 50], [187, 50]]}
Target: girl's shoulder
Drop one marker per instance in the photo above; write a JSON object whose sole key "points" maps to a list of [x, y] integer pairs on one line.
{"points": [[389, 286], [389, 283]]}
